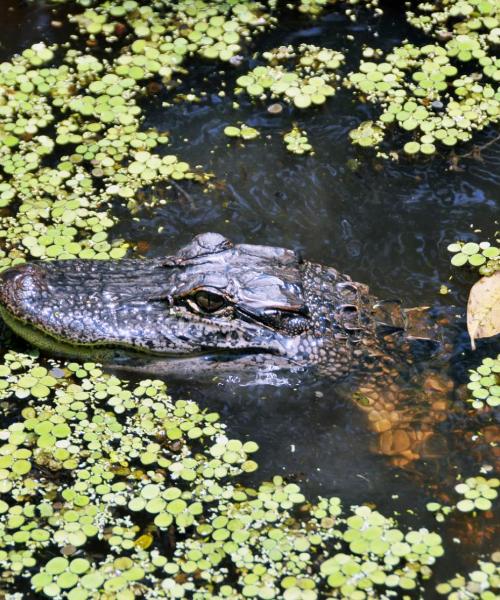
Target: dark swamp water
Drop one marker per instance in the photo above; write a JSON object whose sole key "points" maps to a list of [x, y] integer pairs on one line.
{"points": [[385, 224]]}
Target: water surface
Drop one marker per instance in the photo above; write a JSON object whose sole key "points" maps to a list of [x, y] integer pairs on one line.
{"points": [[386, 224]]}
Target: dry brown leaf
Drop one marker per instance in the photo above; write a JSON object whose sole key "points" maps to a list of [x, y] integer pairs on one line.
{"points": [[483, 308]]}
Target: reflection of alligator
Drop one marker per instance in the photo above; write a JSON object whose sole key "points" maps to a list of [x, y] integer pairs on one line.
{"points": [[221, 306]]}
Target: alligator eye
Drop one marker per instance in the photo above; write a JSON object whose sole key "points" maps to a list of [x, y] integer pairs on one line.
{"points": [[208, 301]]}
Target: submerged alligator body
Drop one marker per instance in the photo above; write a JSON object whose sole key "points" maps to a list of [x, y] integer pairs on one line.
{"points": [[215, 306]]}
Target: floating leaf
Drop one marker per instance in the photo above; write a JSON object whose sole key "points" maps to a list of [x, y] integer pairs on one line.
{"points": [[483, 308]]}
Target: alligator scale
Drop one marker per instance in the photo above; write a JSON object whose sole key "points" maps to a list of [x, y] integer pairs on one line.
{"points": [[216, 306]]}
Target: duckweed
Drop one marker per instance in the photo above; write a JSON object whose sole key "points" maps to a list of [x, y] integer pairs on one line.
{"points": [[483, 256], [484, 384], [478, 18], [114, 489], [367, 134], [482, 583], [439, 510], [316, 7], [81, 113], [303, 77], [297, 142], [99, 149], [243, 131], [478, 493], [103, 479], [421, 91]]}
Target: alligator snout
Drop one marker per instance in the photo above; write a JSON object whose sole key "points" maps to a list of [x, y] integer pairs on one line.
{"points": [[17, 285]]}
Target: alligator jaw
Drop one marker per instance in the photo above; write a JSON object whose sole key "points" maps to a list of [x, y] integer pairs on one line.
{"points": [[134, 361]]}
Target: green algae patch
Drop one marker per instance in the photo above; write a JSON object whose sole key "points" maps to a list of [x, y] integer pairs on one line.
{"points": [[111, 488]]}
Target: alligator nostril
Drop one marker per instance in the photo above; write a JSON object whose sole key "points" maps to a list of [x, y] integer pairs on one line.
{"points": [[348, 308], [16, 283], [16, 275]]}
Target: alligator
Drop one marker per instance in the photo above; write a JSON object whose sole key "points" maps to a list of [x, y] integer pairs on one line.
{"points": [[217, 306]]}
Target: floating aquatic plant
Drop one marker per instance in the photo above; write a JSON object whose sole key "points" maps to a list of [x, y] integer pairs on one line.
{"points": [[303, 77], [484, 384], [316, 7], [445, 18], [478, 493], [482, 583], [61, 212], [243, 131], [113, 489], [421, 91], [99, 150], [367, 134], [483, 256], [101, 480], [297, 142], [440, 511], [213, 30]]}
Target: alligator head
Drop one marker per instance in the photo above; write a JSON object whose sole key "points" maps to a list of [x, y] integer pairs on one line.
{"points": [[212, 305]]}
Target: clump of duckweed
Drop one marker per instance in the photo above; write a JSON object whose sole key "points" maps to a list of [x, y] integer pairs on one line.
{"points": [[62, 208], [478, 493], [482, 583], [483, 256], [297, 142], [213, 30], [61, 184], [316, 7], [304, 77], [484, 384], [115, 489], [367, 134], [439, 510], [245, 132], [478, 18], [84, 450], [421, 91], [313, 7]]}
